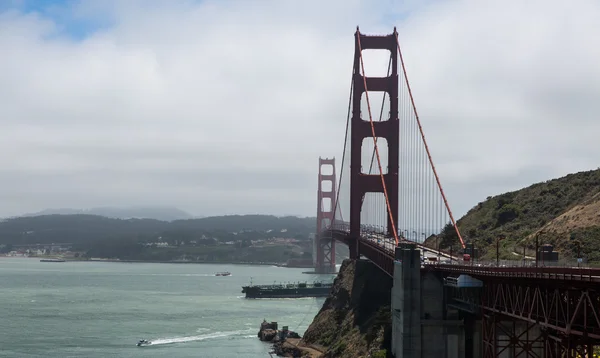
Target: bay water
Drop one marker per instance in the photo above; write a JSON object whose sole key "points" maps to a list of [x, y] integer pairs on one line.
{"points": [[101, 309]]}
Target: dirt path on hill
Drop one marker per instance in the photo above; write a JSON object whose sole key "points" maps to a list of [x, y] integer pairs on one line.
{"points": [[295, 342]]}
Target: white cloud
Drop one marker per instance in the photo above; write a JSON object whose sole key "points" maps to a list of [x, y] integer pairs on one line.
{"points": [[225, 106], [504, 87]]}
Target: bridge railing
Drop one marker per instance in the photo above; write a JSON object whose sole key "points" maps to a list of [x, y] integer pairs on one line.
{"points": [[526, 263], [364, 229], [564, 271], [372, 234]]}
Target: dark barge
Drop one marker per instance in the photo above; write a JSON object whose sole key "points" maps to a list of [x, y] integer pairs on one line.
{"points": [[290, 290]]}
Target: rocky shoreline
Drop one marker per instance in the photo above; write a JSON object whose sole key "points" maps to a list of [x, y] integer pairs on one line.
{"points": [[355, 320], [269, 332]]}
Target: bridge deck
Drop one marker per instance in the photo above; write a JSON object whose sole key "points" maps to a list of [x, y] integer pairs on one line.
{"points": [[553, 273], [380, 249]]}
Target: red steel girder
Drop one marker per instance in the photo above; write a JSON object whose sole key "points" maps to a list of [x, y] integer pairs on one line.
{"points": [[326, 251], [570, 274], [378, 255], [500, 337], [566, 314], [569, 310]]}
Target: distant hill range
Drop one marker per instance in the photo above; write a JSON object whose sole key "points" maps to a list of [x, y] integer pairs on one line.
{"points": [[564, 212], [85, 228], [157, 213]]}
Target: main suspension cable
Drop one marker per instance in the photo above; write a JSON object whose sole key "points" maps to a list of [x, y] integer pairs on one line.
{"points": [[337, 195]]}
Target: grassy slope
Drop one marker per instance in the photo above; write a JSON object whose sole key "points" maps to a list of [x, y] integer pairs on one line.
{"points": [[557, 210]]}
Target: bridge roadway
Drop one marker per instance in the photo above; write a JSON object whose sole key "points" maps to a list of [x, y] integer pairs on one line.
{"points": [[570, 274], [379, 248]]}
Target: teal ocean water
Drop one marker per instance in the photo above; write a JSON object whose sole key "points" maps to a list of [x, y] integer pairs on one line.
{"points": [[101, 309]]}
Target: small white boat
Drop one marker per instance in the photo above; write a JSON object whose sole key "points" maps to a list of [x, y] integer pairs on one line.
{"points": [[143, 342]]}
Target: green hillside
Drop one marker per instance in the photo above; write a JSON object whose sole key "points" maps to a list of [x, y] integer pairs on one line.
{"points": [[564, 212]]}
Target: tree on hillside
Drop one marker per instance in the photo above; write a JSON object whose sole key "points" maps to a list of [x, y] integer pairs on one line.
{"points": [[448, 236]]}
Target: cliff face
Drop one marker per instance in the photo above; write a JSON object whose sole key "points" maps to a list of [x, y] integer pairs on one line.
{"points": [[355, 320]]}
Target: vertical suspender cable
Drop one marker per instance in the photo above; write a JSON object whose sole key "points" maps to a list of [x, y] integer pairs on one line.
{"points": [[427, 147]]}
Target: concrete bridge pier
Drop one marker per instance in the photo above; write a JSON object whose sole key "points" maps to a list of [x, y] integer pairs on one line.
{"points": [[406, 303], [443, 330], [423, 325], [473, 336]]}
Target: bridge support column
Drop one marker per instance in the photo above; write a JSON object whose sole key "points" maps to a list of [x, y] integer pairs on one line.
{"points": [[455, 332], [475, 350], [406, 303], [435, 341], [353, 249]]}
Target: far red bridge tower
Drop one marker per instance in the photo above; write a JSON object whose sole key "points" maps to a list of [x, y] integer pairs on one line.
{"points": [[325, 245]]}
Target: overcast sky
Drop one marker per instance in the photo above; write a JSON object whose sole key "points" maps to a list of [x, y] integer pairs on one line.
{"points": [[221, 107]]}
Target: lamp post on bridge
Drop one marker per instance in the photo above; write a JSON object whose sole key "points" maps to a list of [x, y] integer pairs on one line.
{"points": [[537, 247], [578, 246], [500, 238], [438, 242], [473, 253]]}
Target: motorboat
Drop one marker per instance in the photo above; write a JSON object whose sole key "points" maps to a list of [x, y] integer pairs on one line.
{"points": [[223, 274], [143, 342]]}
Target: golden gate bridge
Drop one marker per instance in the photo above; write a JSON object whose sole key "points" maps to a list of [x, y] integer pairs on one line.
{"points": [[389, 194]]}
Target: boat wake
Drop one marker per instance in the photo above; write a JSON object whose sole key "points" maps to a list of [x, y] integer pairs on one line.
{"points": [[201, 337]]}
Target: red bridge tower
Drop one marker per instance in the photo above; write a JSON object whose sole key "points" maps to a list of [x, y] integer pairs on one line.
{"points": [[325, 246], [363, 127]]}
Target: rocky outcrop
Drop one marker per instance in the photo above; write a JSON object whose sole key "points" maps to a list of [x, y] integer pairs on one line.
{"points": [[285, 342], [267, 331], [355, 320]]}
